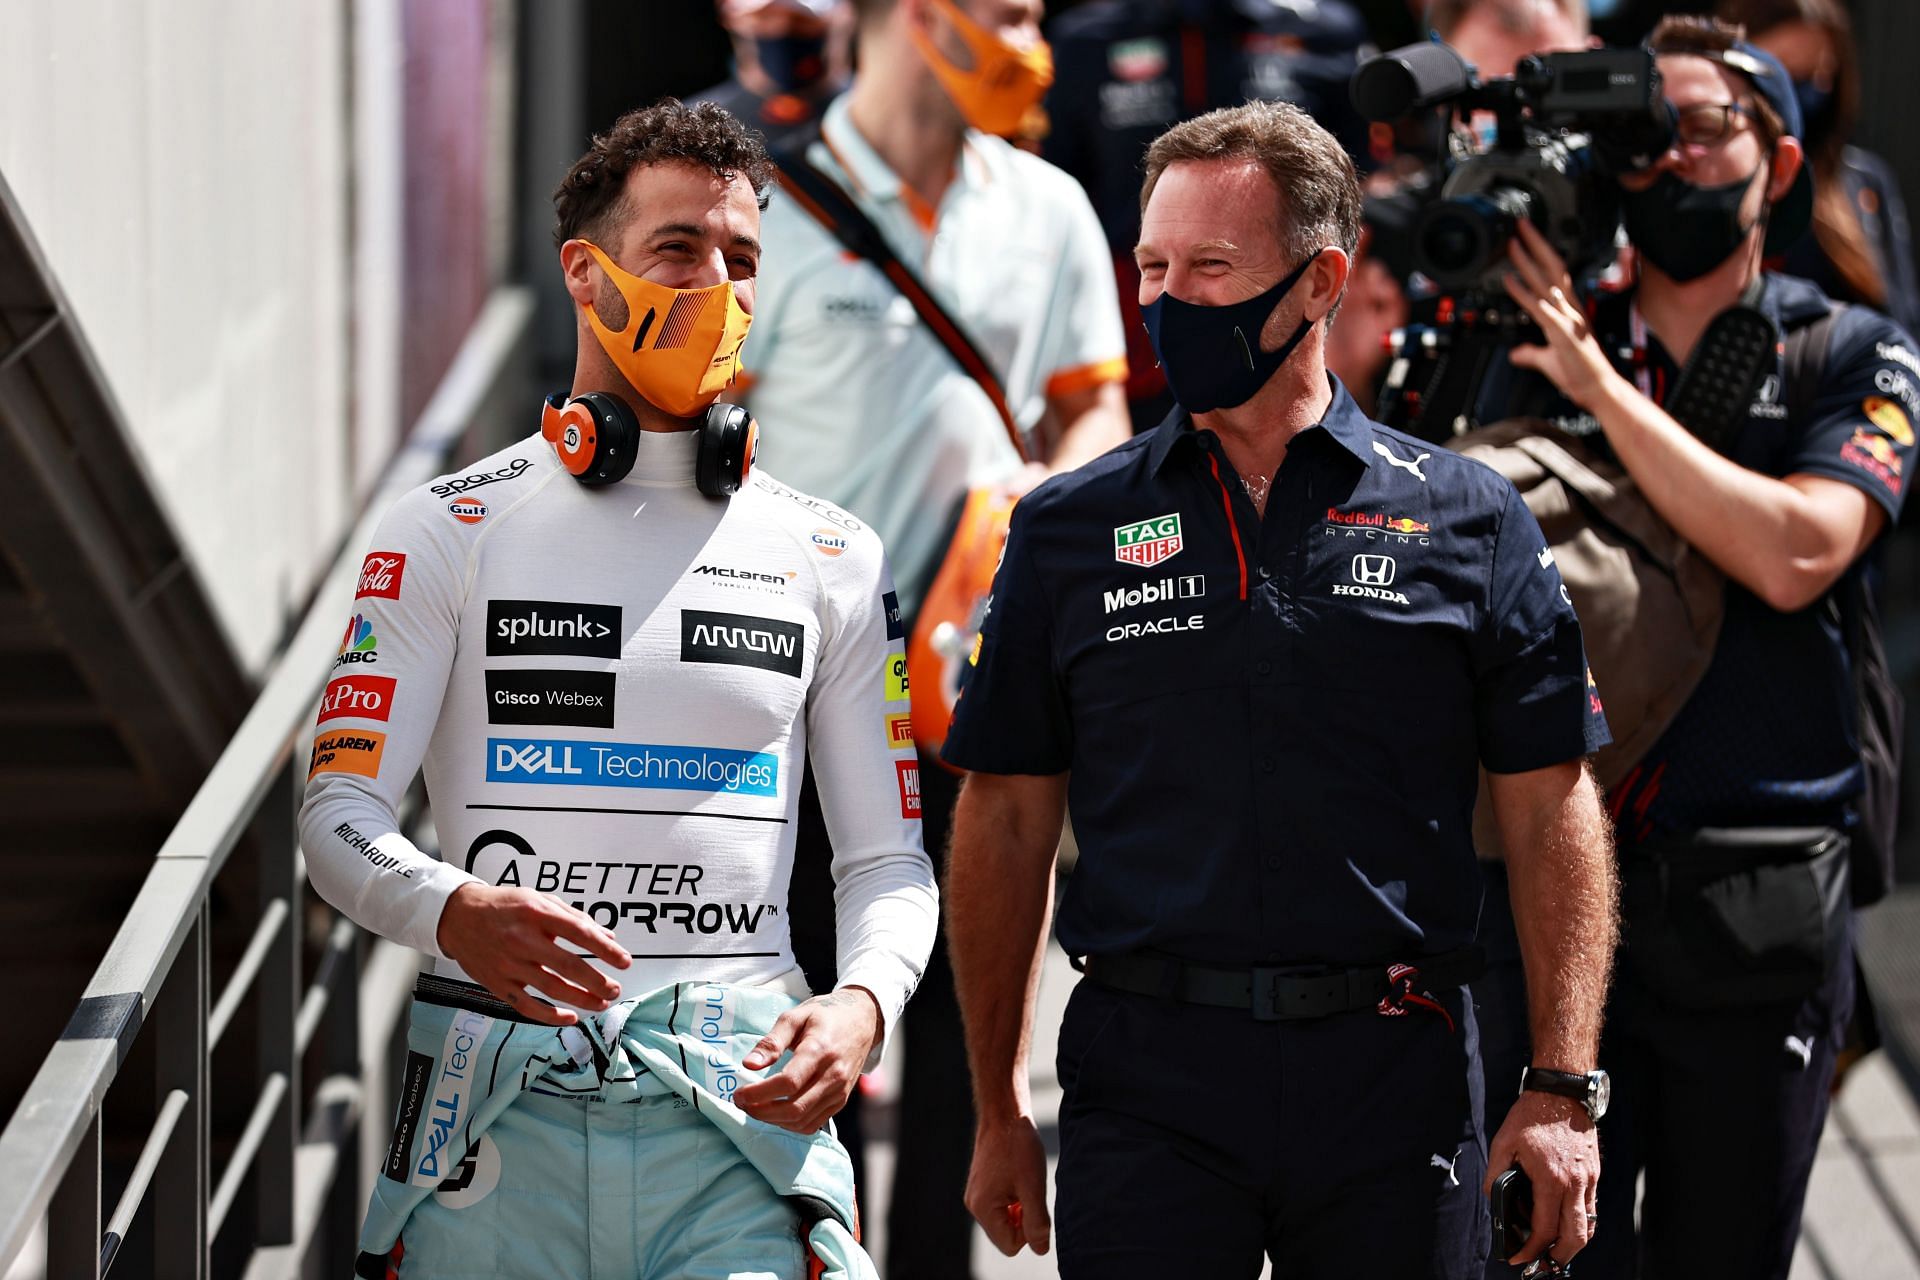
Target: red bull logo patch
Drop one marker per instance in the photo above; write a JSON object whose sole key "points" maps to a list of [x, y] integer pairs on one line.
{"points": [[1874, 454], [1889, 417]]}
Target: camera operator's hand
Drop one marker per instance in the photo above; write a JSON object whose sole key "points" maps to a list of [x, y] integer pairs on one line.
{"points": [[1571, 359]]}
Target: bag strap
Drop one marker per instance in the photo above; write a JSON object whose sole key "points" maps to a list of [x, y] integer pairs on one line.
{"points": [[828, 204], [1805, 363]]}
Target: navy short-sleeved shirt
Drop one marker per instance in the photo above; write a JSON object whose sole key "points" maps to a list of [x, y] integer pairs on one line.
{"points": [[1273, 726], [1768, 737]]}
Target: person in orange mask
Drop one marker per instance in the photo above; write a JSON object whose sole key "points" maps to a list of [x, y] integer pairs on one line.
{"points": [[866, 402]]}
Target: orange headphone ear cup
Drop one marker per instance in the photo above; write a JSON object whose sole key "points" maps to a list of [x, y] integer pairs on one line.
{"points": [[595, 435], [570, 428]]}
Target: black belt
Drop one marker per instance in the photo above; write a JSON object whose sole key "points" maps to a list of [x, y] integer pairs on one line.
{"points": [[1275, 995]]}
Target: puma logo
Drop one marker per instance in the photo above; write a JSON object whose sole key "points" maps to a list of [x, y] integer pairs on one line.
{"points": [[1402, 463], [1801, 1049]]}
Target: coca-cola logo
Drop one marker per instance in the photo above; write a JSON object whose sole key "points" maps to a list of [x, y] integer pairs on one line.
{"points": [[380, 575]]}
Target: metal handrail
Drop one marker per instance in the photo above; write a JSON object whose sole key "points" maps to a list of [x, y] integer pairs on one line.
{"points": [[60, 1109]]}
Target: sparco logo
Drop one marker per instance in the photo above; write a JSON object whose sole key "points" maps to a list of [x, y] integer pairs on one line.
{"points": [[541, 627], [1187, 588], [460, 484], [380, 575], [551, 697], [825, 510], [739, 641]]}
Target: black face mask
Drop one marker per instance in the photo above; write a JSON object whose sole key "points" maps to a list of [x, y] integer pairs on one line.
{"points": [[1685, 230], [793, 63], [1211, 355]]}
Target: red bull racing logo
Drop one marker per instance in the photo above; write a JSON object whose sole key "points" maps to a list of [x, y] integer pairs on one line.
{"points": [[1375, 525], [1874, 454]]}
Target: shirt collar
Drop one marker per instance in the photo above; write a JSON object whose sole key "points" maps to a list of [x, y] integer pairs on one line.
{"points": [[871, 174], [1345, 425]]}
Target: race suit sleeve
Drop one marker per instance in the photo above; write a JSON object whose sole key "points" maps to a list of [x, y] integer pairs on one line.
{"points": [[1535, 700], [861, 745], [375, 721]]}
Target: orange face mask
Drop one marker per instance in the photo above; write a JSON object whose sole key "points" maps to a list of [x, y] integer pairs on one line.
{"points": [[681, 347], [1003, 83]]}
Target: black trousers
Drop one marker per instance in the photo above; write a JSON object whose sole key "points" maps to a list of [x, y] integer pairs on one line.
{"points": [[1722, 1109], [1195, 1141]]}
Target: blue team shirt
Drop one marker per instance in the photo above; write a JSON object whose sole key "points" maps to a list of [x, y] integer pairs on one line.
{"points": [[1273, 725], [1768, 738]]}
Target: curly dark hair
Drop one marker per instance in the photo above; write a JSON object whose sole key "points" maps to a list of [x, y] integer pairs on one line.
{"points": [[590, 198]]}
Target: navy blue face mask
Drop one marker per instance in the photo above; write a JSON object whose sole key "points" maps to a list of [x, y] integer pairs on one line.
{"points": [[793, 63], [1211, 355]]}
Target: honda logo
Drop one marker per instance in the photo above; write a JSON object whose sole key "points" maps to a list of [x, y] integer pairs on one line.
{"points": [[1373, 571]]}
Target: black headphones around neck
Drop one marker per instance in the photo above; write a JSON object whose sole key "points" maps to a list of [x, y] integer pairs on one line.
{"points": [[598, 438]]}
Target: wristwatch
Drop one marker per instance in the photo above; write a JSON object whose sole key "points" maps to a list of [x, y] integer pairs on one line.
{"points": [[1592, 1090]]}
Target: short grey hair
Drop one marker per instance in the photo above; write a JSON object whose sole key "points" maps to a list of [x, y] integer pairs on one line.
{"points": [[1319, 190]]}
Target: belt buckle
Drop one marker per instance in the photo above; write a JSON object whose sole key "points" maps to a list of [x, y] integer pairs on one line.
{"points": [[1266, 995]]}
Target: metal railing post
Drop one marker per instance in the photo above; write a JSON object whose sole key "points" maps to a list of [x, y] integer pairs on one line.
{"points": [[180, 1062], [73, 1219], [277, 1000]]}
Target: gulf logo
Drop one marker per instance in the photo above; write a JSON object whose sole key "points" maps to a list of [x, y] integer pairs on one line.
{"points": [[829, 542], [467, 510]]}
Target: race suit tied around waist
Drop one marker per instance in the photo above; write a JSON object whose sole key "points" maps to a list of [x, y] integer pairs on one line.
{"points": [[1717, 919], [470, 1058]]}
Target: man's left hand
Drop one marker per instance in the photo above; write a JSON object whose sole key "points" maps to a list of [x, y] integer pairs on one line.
{"points": [[1551, 1138], [1571, 359], [830, 1037]]}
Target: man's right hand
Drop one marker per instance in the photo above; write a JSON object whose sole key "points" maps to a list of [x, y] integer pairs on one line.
{"points": [[510, 939], [1007, 1185]]}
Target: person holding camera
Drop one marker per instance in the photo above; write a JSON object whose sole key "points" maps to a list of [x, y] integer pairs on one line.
{"points": [[1736, 980], [1264, 647]]}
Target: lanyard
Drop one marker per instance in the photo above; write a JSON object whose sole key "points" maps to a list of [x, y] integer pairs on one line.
{"points": [[1637, 329]]}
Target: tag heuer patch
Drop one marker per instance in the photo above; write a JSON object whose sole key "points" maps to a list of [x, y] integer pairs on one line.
{"points": [[1148, 542]]}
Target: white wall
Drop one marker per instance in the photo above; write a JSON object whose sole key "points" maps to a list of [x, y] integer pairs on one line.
{"points": [[184, 166]]}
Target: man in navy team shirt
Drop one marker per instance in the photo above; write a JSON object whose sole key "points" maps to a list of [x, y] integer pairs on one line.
{"points": [[1263, 652]]}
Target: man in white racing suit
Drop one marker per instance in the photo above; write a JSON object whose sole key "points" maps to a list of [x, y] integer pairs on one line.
{"points": [[609, 649]]}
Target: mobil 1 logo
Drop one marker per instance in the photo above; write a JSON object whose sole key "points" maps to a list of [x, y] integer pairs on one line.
{"points": [[547, 628], [551, 697]]}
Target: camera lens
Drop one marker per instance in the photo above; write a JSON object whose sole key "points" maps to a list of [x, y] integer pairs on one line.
{"points": [[1463, 241]]}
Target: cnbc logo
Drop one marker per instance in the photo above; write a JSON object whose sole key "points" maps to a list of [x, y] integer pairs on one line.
{"points": [[1148, 542], [359, 644]]}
